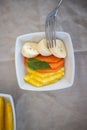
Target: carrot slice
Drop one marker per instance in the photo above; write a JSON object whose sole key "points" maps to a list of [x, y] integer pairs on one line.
{"points": [[25, 61], [54, 67], [56, 64], [49, 59]]}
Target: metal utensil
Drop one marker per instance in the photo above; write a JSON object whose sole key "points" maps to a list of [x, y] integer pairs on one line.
{"points": [[50, 30]]}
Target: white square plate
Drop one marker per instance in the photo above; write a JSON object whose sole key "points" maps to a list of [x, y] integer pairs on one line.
{"points": [[68, 78], [8, 97]]}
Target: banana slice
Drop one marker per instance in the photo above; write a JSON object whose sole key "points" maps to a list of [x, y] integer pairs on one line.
{"points": [[59, 50], [29, 50], [42, 48]]}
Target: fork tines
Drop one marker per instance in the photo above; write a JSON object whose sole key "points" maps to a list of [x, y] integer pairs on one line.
{"points": [[50, 31], [50, 27]]}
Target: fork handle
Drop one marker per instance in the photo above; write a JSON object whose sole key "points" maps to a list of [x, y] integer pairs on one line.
{"points": [[58, 5]]}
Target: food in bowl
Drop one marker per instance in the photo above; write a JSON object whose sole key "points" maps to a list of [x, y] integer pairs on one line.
{"points": [[6, 114], [43, 65], [69, 62]]}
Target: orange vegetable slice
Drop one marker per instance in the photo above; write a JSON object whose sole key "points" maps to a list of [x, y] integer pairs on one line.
{"points": [[25, 61], [49, 59], [54, 62], [54, 67]]}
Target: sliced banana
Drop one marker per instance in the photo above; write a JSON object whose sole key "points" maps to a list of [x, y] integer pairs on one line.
{"points": [[59, 50], [42, 48], [29, 50]]}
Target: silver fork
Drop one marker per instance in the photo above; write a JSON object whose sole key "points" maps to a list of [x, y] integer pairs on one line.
{"points": [[50, 24]]}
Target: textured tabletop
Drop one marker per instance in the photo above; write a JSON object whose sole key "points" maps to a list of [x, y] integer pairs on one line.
{"points": [[64, 109]]}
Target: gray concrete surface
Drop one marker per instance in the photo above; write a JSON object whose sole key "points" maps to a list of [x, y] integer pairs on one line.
{"points": [[56, 110]]}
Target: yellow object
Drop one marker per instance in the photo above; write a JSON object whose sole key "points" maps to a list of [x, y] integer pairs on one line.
{"points": [[43, 75], [8, 117], [41, 79], [2, 105]]}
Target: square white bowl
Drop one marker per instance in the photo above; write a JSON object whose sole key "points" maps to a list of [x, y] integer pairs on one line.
{"points": [[65, 82], [8, 97]]}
